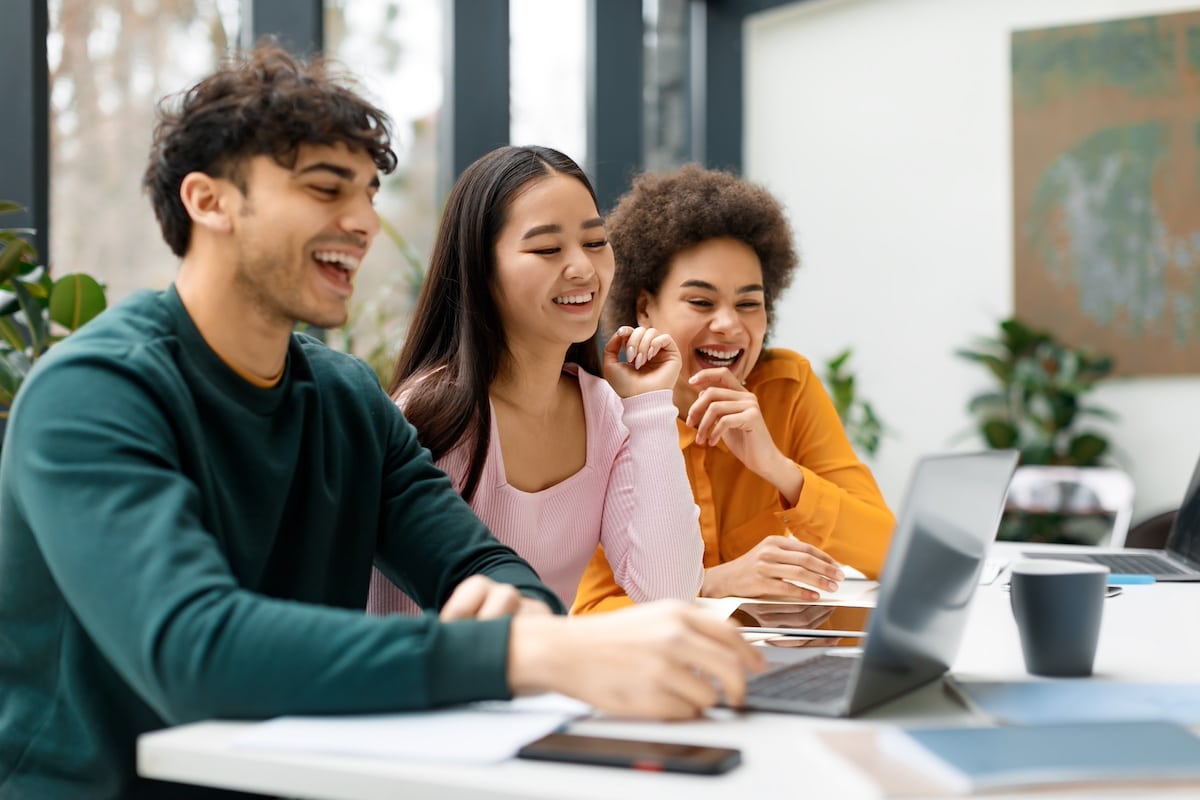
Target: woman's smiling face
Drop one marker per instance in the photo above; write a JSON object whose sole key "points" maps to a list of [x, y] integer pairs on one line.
{"points": [[712, 303], [554, 265]]}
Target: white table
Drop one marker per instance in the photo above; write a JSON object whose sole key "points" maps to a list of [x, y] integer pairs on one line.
{"points": [[1148, 634]]}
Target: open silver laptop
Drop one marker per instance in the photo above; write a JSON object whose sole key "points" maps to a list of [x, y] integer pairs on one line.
{"points": [[1178, 561], [945, 526]]}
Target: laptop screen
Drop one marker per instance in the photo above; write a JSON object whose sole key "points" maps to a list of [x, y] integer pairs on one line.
{"points": [[947, 522], [1185, 534]]}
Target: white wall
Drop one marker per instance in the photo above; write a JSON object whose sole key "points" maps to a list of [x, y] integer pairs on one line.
{"points": [[884, 126]]}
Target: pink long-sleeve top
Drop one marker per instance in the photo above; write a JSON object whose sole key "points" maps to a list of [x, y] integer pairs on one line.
{"points": [[632, 496]]}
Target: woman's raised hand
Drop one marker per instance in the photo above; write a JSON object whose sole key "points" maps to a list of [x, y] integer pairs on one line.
{"points": [[652, 361], [726, 411]]}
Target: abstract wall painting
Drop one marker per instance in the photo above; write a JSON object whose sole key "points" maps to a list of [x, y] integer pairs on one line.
{"points": [[1106, 188]]}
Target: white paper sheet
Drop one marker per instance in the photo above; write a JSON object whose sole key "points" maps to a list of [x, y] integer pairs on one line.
{"points": [[480, 733], [851, 592]]}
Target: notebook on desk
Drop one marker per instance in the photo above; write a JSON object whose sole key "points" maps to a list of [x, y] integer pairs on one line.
{"points": [[1179, 561], [946, 523], [968, 760]]}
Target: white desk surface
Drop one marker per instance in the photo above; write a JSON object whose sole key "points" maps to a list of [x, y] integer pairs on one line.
{"points": [[1148, 634]]}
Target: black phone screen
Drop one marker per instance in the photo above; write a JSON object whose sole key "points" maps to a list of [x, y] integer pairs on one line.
{"points": [[632, 753]]}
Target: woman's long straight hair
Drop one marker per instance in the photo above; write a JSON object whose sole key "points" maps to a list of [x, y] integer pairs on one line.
{"points": [[456, 342]]}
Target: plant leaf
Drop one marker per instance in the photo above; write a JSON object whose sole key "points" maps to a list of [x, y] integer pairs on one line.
{"points": [[35, 287], [1036, 454], [1063, 408], [9, 383], [834, 364], [1019, 338], [9, 303], [15, 253], [1000, 369], [999, 434], [1086, 448], [1096, 368], [76, 299], [843, 397], [1097, 411], [35, 317], [987, 401], [12, 334], [8, 207], [14, 366], [12, 234]]}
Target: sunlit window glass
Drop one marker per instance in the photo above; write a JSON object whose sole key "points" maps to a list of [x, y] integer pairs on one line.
{"points": [[394, 48], [110, 61], [548, 75], [665, 100]]}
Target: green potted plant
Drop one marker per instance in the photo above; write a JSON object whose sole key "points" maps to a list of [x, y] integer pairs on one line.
{"points": [[863, 426], [1038, 406], [35, 310], [1037, 403]]}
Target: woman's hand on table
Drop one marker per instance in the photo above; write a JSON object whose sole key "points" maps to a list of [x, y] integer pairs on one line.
{"points": [[769, 569]]}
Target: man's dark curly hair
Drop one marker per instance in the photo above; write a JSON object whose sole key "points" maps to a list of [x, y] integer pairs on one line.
{"points": [[260, 102], [668, 212]]}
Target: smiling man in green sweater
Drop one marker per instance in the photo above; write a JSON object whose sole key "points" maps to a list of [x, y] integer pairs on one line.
{"points": [[192, 496]]}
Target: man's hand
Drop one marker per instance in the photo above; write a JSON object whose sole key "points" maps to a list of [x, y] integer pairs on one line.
{"points": [[480, 597], [652, 361], [663, 660], [768, 569]]}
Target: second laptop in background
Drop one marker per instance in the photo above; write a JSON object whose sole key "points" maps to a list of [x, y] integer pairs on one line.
{"points": [[1180, 561]]}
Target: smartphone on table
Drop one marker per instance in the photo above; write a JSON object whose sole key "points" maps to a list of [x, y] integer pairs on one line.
{"points": [[575, 748]]}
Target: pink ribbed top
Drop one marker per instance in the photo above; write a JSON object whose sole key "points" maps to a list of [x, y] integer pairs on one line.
{"points": [[632, 496]]}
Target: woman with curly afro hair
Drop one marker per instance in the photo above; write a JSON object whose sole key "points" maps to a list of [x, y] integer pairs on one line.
{"points": [[784, 501]]}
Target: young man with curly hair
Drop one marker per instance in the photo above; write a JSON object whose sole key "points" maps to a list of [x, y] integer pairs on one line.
{"points": [[703, 256], [192, 496]]}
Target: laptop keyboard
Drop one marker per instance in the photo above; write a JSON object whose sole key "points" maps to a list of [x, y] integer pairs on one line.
{"points": [[1132, 564], [819, 679]]}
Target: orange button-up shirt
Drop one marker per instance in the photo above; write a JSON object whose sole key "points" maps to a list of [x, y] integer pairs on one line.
{"points": [[840, 509]]}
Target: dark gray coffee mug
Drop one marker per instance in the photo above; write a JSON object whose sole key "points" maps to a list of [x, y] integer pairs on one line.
{"points": [[1058, 605]]}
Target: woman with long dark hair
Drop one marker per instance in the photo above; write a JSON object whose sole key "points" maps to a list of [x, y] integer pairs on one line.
{"points": [[557, 446]]}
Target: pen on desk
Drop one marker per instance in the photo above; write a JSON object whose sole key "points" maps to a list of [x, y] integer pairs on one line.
{"points": [[1127, 580]]}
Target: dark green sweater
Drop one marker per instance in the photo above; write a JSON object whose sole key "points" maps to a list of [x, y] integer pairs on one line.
{"points": [[176, 544]]}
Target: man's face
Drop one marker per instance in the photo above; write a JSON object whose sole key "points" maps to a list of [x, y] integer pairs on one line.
{"points": [[301, 233]]}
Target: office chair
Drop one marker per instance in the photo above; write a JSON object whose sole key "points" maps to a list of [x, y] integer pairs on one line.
{"points": [[1152, 532], [1077, 505]]}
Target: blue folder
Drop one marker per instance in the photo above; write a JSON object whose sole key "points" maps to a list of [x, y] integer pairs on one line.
{"points": [[1080, 700], [975, 759]]}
